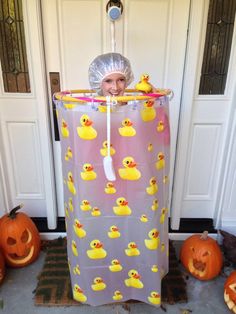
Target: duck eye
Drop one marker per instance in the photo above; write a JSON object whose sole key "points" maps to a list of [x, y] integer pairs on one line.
{"points": [[84, 120], [127, 162]]}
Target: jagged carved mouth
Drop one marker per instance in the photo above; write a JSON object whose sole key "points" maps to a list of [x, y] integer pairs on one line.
{"points": [[197, 267]]}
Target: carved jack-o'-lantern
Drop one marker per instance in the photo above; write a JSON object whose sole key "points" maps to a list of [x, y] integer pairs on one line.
{"points": [[230, 291], [201, 256], [2, 267], [19, 238]]}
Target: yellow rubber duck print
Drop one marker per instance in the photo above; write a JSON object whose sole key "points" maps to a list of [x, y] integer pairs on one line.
{"points": [[70, 183], [97, 251], [132, 249], [144, 218], [160, 126], [143, 85], [117, 296], [115, 266], [98, 284], [154, 298], [134, 280], [153, 242], [153, 187], [86, 131], [71, 206], [95, 212], [150, 147], [88, 174], [114, 232], [66, 210], [74, 248], [76, 270], [85, 205], [69, 154], [154, 268], [164, 211], [148, 112], [104, 149], [78, 294], [129, 172], [122, 209], [64, 129], [155, 204], [78, 229], [160, 164], [110, 188], [127, 128]]}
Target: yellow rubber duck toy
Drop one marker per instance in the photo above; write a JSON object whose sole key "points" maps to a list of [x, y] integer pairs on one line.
{"points": [[144, 218], [117, 296], [104, 149], [98, 284], [115, 266], [71, 206], [78, 294], [114, 232], [154, 298], [160, 126], [153, 187], [132, 249], [164, 211], [143, 85], [122, 209], [74, 248], [85, 205], [134, 280], [153, 242], [86, 131], [78, 229], [97, 251], [95, 212], [154, 268], [127, 128], [88, 174], [110, 188], [155, 204], [70, 183], [129, 172], [160, 164], [64, 129], [148, 112]]}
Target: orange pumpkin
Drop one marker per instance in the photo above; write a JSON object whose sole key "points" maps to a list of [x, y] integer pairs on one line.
{"points": [[19, 238], [201, 256], [230, 291], [2, 267]]}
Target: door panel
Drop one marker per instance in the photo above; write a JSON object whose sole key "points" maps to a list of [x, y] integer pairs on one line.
{"points": [[26, 153], [151, 33]]}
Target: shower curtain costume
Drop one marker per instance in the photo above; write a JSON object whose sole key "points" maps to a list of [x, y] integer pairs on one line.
{"points": [[117, 232]]}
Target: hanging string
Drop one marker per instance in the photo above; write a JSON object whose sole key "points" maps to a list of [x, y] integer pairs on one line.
{"points": [[113, 41]]}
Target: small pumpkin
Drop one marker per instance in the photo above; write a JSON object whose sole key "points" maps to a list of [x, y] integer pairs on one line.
{"points": [[201, 256], [19, 238], [2, 267], [230, 291]]}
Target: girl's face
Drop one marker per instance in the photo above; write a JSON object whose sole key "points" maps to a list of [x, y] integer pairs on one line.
{"points": [[113, 85]]}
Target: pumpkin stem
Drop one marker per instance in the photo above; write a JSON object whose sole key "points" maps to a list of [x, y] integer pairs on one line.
{"points": [[204, 235], [13, 212]]}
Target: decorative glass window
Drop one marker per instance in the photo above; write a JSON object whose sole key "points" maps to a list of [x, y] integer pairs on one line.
{"points": [[12, 48], [218, 42]]}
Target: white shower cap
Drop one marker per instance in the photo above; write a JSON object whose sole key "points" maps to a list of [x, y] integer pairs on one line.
{"points": [[107, 64]]}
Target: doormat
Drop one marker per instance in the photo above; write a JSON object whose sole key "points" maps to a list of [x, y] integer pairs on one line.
{"points": [[54, 286]]}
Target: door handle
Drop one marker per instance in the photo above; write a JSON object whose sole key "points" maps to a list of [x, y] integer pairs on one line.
{"points": [[55, 87]]}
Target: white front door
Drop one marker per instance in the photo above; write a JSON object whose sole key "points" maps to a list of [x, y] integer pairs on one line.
{"points": [[152, 34], [26, 165]]}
